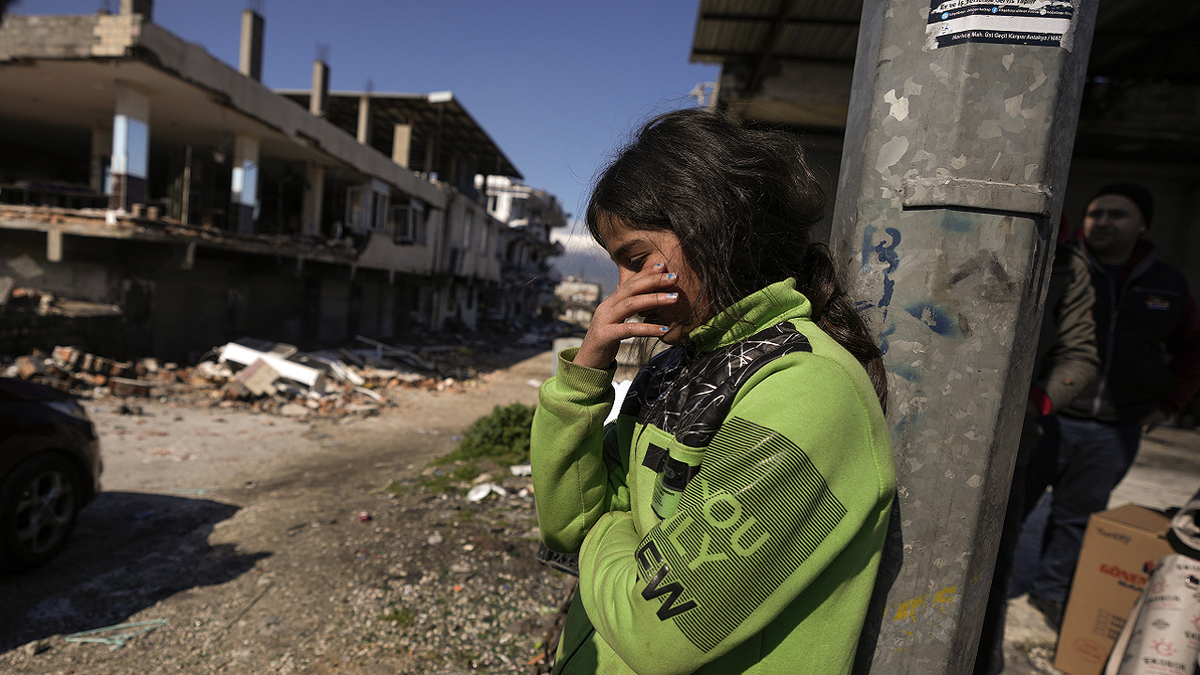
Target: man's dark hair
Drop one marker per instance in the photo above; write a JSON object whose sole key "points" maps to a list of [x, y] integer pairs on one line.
{"points": [[1134, 193]]}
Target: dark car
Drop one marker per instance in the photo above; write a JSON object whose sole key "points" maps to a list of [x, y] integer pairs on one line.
{"points": [[49, 469]]}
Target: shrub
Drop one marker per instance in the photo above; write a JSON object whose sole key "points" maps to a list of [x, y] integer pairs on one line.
{"points": [[502, 436]]}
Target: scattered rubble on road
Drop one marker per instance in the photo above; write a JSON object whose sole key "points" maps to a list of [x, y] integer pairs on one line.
{"points": [[256, 553], [269, 377], [413, 576]]}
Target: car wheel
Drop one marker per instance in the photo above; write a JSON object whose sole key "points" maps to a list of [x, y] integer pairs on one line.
{"points": [[39, 505]]}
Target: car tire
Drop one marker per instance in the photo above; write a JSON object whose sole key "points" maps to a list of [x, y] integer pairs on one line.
{"points": [[39, 506]]}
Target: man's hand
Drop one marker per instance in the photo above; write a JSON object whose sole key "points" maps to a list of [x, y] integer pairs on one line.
{"points": [[1031, 429]]}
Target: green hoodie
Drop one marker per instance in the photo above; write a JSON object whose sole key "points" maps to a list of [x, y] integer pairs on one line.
{"points": [[731, 520]]}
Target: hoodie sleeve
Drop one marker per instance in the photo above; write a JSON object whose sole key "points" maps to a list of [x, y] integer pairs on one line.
{"points": [[579, 464], [791, 503]]}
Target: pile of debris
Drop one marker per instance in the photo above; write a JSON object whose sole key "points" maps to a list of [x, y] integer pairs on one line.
{"points": [[270, 377]]}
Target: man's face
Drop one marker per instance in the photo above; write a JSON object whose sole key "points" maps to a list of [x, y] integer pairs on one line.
{"points": [[1111, 227]]}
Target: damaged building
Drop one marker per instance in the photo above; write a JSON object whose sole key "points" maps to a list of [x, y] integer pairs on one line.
{"points": [[531, 214], [156, 201]]}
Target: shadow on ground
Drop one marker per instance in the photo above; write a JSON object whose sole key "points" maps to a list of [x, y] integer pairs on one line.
{"points": [[129, 551]]}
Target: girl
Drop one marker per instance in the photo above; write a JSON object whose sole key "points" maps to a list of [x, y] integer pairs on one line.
{"points": [[731, 519]]}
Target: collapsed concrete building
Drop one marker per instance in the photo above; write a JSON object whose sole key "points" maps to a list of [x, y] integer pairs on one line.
{"points": [[156, 201]]}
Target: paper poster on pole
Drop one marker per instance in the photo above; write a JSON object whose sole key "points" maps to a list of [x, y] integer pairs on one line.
{"points": [[1039, 23]]}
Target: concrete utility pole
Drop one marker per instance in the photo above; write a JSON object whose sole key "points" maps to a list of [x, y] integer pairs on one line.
{"points": [[958, 142]]}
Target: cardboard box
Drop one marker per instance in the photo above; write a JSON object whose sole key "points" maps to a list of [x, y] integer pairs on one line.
{"points": [[1120, 548]]}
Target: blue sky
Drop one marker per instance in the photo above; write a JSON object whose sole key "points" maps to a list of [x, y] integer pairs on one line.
{"points": [[556, 83]]}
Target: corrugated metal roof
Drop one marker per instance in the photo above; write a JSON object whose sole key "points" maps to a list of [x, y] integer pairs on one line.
{"points": [[819, 30], [1149, 39]]}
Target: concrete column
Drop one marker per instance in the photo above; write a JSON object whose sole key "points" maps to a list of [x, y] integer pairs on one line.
{"points": [[244, 187], [54, 246], [102, 148], [250, 54], [314, 197], [400, 144], [320, 88], [130, 148], [364, 119], [185, 206], [143, 7]]}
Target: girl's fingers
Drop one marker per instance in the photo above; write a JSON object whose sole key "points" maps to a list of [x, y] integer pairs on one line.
{"points": [[640, 294], [631, 306], [645, 282], [602, 341]]}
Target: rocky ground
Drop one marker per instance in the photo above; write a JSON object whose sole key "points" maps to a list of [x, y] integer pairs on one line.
{"points": [[232, 541], [256, 544]]}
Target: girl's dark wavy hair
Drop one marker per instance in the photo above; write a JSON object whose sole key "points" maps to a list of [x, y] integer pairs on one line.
{"points": [[742, 202]]}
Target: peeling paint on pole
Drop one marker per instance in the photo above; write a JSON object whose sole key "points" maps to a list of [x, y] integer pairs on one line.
{"points": [[952, 178]]}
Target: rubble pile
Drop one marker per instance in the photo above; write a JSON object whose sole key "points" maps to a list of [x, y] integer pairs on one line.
{"points": [[264, 376]]}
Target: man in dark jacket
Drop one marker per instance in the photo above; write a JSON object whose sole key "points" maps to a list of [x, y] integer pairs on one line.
{"points": [[1148, 337], [1064, 363]]}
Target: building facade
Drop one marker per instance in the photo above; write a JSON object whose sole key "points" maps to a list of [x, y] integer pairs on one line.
{"points": [[529, 279], [140, 174]]}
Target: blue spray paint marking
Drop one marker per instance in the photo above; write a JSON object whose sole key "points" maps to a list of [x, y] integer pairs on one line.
{"points": [[884, 335], [907, 372], [888, 255], [934, 317], [885, 253], [957, 222], [901, 427]]}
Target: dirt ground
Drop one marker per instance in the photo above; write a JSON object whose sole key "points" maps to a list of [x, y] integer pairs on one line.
{"points": [[239, 536], [234, 540]]}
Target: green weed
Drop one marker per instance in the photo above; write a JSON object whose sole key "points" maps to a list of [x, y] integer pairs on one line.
{"points": [[402, 617], [502, 436]]}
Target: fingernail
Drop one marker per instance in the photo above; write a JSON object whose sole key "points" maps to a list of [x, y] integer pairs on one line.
{"points": [[662, 328], [657, 266], [671, 276], [672, 295]]}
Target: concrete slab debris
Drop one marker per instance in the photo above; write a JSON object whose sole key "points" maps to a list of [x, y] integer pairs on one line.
{"points": [[259, 378], [121, 386], [291, 370], [269, 377]]}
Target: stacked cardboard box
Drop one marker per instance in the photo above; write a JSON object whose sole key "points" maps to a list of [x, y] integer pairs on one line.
{"points": [[1120, 549]]}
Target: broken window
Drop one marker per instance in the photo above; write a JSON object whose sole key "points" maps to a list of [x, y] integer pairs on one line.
{"points": [[355, 198], [367, 207], [381, 198], [379, 210], [408, 223]]}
